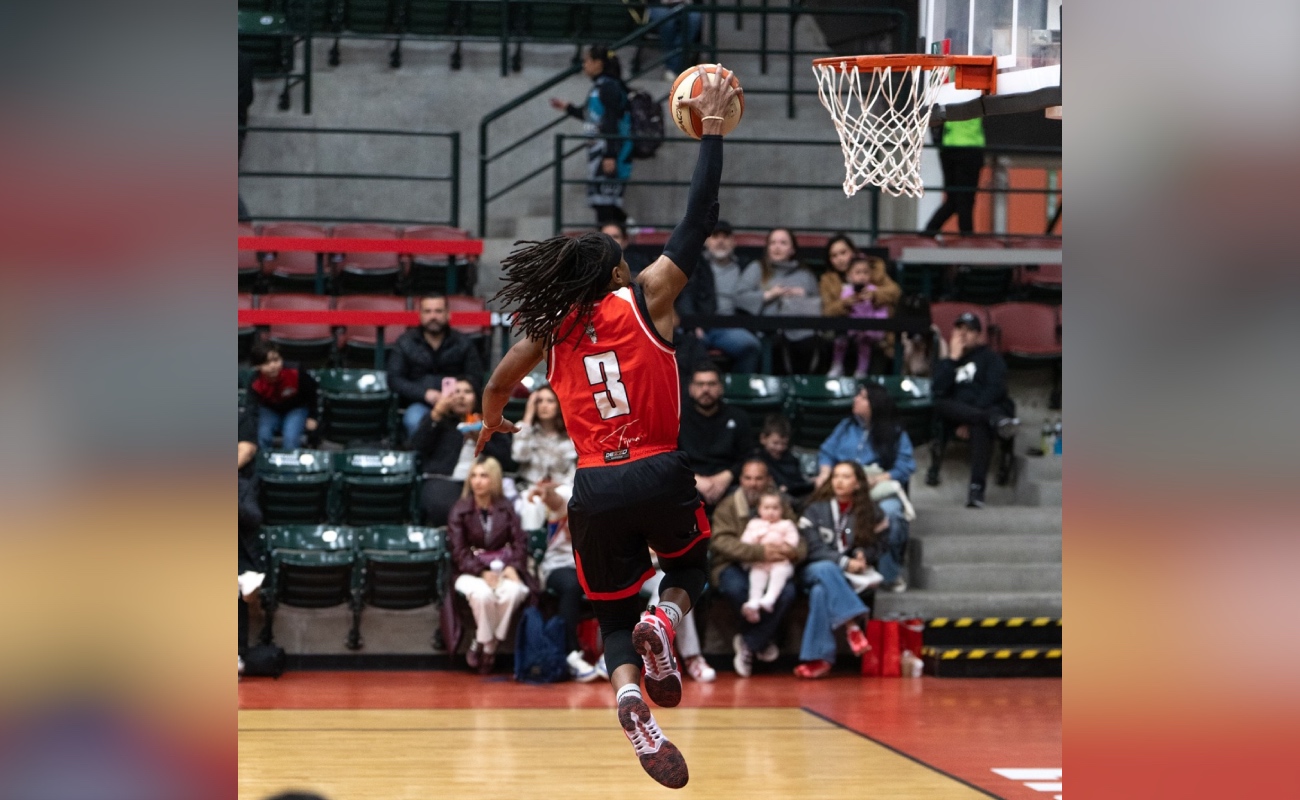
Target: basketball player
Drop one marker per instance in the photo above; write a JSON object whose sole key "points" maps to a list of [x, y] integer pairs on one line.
{"points": [[607, 340]]}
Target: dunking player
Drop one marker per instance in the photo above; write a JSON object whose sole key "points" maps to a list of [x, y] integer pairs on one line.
{"points": [[607, 338]]}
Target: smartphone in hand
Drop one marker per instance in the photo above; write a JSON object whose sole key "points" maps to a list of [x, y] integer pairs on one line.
{"points": [[448, 387]]}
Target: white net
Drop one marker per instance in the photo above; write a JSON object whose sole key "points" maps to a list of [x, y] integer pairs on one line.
{"points": [[881, 125]]}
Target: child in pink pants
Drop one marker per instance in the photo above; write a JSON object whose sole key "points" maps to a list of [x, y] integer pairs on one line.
{"points": [[768, 578]]}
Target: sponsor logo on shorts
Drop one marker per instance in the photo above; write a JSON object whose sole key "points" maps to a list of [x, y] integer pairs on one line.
{"points": [[616, 455]]}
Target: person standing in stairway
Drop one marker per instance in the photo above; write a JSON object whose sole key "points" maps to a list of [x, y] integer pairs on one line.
{"points": [[607, 121]]}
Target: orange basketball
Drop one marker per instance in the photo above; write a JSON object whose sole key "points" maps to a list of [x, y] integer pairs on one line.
{"points": [[688, 85]]}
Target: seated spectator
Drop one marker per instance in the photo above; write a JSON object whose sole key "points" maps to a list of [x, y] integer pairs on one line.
{"points": [[636, 260], [422, 357], [286, 398], [872, 436], [546, 457], [841, 529], [730, 558], [688, 637], [559, 573], [768, 578], [864, 299], [714, 435], [252, 566], [970, 391], [737, 291], [774, 450], [790, 290], [444, 442], [840, 250], [489, 557]]}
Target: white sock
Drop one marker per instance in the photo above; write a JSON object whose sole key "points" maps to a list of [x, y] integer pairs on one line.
{"points": [[630, 688], [673, 612]]}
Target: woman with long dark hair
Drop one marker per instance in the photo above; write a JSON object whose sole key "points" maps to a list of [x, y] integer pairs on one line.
{"points": [[790, 290], [842, 528], [873, 437], [607, 121]]}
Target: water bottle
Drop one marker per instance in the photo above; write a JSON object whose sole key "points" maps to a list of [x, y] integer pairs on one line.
{"points": [[1046, 443], [1056, 443]]}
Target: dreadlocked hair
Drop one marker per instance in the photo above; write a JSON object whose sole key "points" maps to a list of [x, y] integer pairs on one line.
{"points": [[545, 281]]}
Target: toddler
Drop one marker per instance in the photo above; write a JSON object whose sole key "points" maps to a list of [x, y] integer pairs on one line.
{"points": [[860, 293], [768, 578]]}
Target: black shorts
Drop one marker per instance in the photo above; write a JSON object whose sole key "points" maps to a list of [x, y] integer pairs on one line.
{"points": [[617, 511]]}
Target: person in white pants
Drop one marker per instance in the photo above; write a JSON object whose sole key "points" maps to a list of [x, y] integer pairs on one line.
{"points": [[493, 602]]}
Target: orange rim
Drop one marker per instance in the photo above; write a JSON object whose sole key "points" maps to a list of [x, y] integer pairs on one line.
{"points": [[973, 72]]}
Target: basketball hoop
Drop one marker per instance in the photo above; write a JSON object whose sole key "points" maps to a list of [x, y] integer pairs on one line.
{"points": [[882, 125]]}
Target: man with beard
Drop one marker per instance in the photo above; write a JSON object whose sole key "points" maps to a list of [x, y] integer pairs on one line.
{"points": [[422, 357], [714, 435]]}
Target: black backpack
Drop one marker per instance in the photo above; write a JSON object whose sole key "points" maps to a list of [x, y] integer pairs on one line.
{"points": [[264, 661], [647, 123], [539, 648]]}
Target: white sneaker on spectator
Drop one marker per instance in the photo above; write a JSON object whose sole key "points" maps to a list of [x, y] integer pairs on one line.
{"points": [[601, 670], [581, 671], [836, 371], [250, 582], [768, 654], [700, 670], [744, 660], [899, 585]]}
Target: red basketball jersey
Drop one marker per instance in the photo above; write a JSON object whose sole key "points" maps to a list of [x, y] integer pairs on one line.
{"points": [[618, 388]]}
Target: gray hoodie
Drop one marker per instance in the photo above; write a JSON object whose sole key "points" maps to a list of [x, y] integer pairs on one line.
{"points": [[737, 288], [792, 273]]}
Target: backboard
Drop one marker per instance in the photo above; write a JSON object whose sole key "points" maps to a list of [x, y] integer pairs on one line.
{"points": [[1025, 35]]}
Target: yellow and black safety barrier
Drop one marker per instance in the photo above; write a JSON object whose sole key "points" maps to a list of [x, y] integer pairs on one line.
{"points": [[995, 633], [992, 662], [1022, 653], [993, 622]]}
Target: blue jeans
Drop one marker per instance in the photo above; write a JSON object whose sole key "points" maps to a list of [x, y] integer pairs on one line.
{"points": [[891, 562], [670, 33], [740, 345], [733, 583], [831, 603], [411, 417], [291, 425]]}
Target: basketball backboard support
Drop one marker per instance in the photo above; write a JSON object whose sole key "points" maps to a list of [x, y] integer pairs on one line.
{"points": [[1025, 35]]}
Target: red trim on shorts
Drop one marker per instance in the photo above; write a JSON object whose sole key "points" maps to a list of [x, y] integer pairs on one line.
{"points": [[635, 588], [702, 522]]}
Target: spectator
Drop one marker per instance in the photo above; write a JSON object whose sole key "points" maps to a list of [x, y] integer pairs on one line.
{"points": [[252, 566], [607, 119], [445, 443], [774, 450], [637, 260], [731, 556], [790, 290], [559, 572], [676, 35], [422, 358], [286, 398], [698, 298], [872, 435], [961, 155], [768, 578], [545, 455], [840, 250], [489, 556], [737, 291], [688, 636], [713, 434], [970, 391], [859, 296], [840, 527]]}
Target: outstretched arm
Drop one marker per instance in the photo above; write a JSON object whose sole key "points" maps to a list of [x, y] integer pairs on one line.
{"points": [[518, 362], [663, 280]]}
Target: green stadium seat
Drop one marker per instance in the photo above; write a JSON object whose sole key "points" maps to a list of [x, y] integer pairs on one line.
{"points": [[375, 487], [757, 395], [819, 405], [400, 566], [431, 17], [356, 406], [295, 486], [309, 566], [370, 16]]}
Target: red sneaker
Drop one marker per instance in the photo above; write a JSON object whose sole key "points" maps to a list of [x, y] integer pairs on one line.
{"points": [[653, 639], [858, 641], [659, 757], [813, 669]]}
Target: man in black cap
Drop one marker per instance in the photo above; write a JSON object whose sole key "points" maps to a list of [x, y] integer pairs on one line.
{"points": [[970, 389], [737, 290]]}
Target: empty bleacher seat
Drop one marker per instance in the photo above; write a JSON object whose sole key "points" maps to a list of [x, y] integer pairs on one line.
{"points": [[820, 403], [308, 344], [250, 267], [309, 566], [247, 333], [356, 406], [366, 272], [1027, 331], [375, 486], [294, 486], [357, 342], [756, 395], [400, 567], [292, 269], [441, 274]]}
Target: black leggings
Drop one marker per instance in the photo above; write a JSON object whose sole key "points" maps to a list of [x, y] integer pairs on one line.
{"points": [[564, 582], [954, 413], [961, 168], [688, 572]]}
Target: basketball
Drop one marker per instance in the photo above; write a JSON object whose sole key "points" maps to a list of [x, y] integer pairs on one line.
{"points": [[688, 85]]}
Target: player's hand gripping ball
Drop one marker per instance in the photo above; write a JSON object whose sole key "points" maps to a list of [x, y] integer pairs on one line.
{"points": [[688, 84]]}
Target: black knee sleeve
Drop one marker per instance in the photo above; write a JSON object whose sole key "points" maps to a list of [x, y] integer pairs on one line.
{"points": [[688, 572], [617, 619]]}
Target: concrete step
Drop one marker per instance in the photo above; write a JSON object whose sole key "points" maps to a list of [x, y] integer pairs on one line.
{"points": [[950, 520], [1016, 548], [929, 604], [1039, 468], [1038, 493], [1040, 577]]}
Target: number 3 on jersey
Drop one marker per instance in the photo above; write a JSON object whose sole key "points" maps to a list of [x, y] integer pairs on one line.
{"points": [[603, 371]]}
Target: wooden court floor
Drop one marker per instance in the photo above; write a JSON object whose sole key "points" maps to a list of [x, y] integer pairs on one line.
{"points": [[409, 735]]}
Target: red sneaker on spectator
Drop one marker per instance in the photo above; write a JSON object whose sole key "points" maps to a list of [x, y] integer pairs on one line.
{"points": [[813, 669], [858, 641]]}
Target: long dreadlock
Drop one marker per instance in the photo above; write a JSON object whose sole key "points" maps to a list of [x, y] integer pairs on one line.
{"points": [[546, 281]]}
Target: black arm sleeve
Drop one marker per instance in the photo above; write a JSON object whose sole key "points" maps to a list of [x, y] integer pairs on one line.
{"points": [[701, 207]]}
